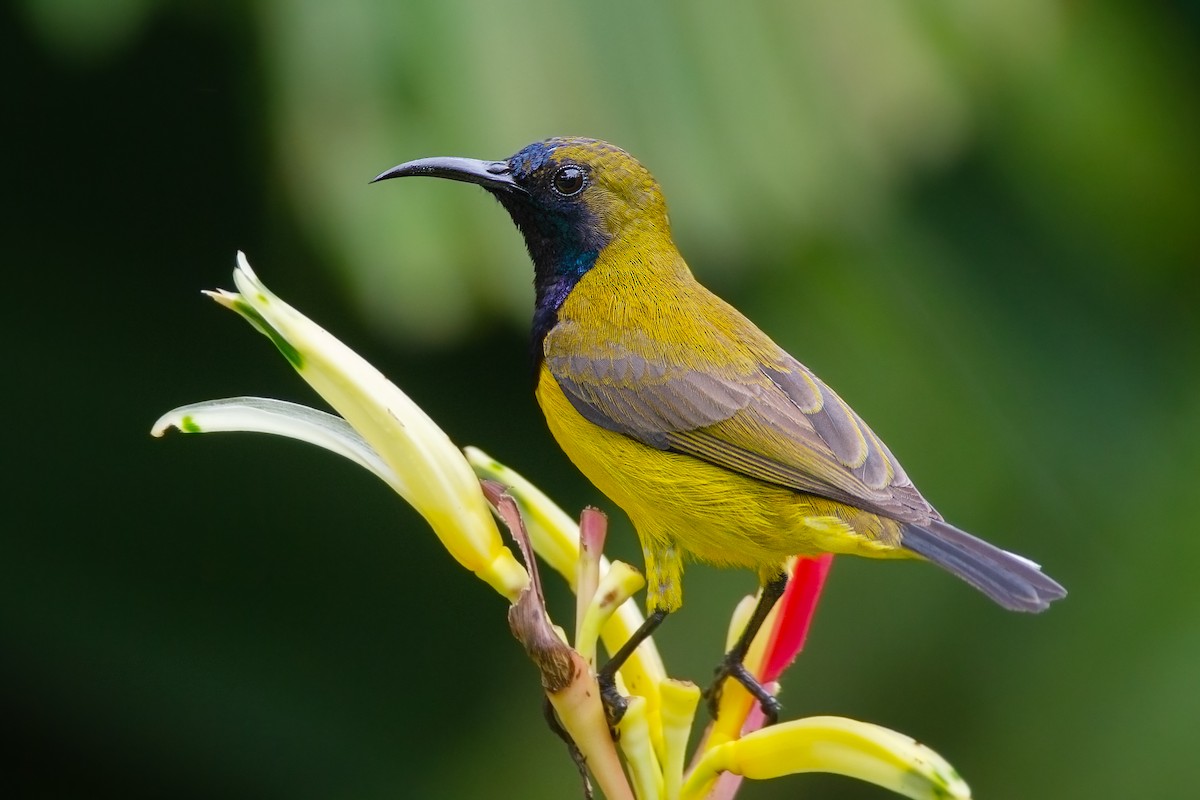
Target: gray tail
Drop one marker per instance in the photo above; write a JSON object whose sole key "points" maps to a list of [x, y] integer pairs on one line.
{"points": [[1012, 581]]}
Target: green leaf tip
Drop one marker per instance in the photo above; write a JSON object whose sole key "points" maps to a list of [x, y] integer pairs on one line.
{"points": [[256, 319]]}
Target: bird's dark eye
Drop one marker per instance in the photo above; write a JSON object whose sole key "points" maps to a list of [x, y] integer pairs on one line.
{"points": [[569, 180]]}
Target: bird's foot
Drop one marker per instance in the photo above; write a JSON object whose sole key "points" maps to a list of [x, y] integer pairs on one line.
{"points": [[731, 667], [615, 703]]}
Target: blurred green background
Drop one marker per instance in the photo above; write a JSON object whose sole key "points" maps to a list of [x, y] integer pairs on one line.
{"points": [[979, 221]]}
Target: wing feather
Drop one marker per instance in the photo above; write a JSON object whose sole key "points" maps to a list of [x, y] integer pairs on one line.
{"points": [[768, 417]]}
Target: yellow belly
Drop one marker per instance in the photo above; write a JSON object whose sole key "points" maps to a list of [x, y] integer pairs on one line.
{"points": [[681, 505]]}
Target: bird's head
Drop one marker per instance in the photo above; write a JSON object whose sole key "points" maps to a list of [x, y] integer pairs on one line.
{"points": [[569, 197]]}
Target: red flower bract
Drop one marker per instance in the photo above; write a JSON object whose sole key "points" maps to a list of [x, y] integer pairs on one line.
{"points": [[796, 609]]}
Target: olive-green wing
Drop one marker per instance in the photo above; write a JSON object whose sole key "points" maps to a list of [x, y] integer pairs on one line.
{"points": [[767, 417]]}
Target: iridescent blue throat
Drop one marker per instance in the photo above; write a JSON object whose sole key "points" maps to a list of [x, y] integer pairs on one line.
{"points": [[563, 244], [552, 288]]}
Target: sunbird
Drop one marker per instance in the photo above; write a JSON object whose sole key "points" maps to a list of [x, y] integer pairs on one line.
{"points": [[718, 444]]}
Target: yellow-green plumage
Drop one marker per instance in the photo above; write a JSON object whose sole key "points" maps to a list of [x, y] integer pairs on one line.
{"points": [[680, 504], [717, 443]]}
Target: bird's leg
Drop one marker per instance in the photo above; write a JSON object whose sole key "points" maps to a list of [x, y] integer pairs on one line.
{"points": [[614, 703], [731, 665]]}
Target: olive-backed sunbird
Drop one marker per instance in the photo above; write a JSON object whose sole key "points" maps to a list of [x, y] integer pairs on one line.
{"points": [[717, 443]]}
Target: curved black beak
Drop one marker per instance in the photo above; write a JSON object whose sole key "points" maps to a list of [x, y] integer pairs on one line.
{"points": [[491, 175]]}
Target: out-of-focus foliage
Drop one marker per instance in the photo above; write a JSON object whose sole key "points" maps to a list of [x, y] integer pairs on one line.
{"points": [[768, 123], [977, 220]]}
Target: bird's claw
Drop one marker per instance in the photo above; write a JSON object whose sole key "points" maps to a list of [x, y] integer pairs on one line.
{"points": [[615, 704], [734, 668]]}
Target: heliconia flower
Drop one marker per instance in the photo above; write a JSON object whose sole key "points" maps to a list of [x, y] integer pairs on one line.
{"points": [[555, 538], [796, 609], [830, 744], [679, 701], [383, 430], [593, 530], [775, 647], [567, 678]]}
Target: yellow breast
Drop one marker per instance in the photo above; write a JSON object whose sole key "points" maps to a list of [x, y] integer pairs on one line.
{"points": [[682, 505]]}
